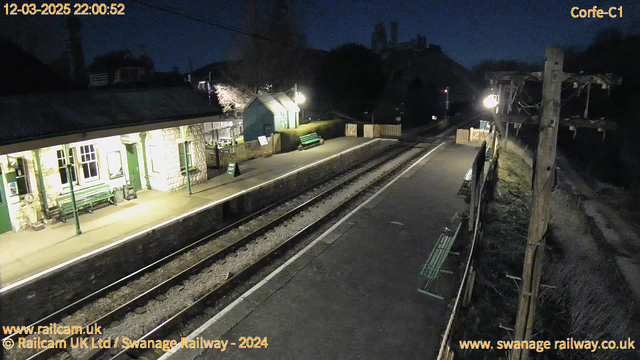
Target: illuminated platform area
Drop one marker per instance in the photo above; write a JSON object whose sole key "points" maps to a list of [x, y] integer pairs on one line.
{"points": [[352, 293], [30, 254]]}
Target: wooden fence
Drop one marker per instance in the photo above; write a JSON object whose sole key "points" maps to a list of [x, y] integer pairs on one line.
{"points": [[219, 158], [351, 130], [375, 130], [466, 136], [479, 135], [478, 205], [462, 136]]}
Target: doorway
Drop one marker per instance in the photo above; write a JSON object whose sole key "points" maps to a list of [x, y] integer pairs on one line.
{"points": [[134, 168], [5, 219]]}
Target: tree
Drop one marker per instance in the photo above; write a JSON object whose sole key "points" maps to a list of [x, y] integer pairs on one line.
{"points": [[350, 79], [231, 98], [266, 62]]}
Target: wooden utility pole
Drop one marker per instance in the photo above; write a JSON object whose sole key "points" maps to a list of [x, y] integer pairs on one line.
{"points": [[542, 182]]}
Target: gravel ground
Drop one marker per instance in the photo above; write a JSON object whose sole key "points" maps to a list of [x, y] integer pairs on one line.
{"points": [[139, 322], [198, 285]]}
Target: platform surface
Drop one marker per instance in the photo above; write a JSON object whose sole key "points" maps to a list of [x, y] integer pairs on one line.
{"points": [[28, 253], [353, 293]]}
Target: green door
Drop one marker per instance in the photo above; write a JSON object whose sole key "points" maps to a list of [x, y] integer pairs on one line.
{"points": [[134, 169], [5, 220]]}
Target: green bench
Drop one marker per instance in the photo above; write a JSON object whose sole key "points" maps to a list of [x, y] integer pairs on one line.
{"points": [[433, 267], [310, 139], [85, 199]]}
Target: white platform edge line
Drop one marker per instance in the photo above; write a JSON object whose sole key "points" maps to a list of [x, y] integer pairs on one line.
{"points": [[174, 219], [242, 297]]}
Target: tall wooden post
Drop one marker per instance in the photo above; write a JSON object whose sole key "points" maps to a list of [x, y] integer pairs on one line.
{"points": [[542, 182]]}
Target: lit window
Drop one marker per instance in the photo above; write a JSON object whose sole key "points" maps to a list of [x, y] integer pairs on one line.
{"points": [[62, 168], [114, 164], [89, 162], [22, 176], [181, 155]]}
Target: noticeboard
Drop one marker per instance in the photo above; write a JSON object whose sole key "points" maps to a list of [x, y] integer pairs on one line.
{"points": [[233, 169]]}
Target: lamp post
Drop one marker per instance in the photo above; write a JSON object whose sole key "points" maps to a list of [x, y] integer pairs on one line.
{"points": [[185, 144], [299, 99], [446, 102], [73, 195], [490, 101]]}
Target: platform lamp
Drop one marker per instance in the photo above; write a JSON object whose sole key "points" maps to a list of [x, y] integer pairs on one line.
{"points": [[185, 144], [298, 98], [68, 166]]}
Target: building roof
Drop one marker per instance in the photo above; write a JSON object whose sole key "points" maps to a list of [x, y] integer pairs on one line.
{"points": [[42, 116], [276, 102]]}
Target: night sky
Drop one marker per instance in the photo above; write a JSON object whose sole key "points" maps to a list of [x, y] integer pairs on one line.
{"points": [[468, 31]]}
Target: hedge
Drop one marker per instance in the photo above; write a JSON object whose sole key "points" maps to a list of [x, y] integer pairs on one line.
{"points": [[327, 129]]}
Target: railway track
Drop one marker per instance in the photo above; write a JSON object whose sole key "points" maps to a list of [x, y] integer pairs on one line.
{"points": [[239, 251]]}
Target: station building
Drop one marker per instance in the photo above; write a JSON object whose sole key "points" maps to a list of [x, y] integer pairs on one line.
{"points": [[112, 139]]}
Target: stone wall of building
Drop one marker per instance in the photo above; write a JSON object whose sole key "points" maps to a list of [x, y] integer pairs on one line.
{"points": [[163, 166], [164, 158]]}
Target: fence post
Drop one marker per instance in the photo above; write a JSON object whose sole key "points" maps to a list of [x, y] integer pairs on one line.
{"points": [[472, 201]]}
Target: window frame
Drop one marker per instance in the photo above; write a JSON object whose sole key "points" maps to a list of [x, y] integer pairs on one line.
{"points": [[21, 162], [153, 153], [119, 174], [92, 158], [72, 160], [189, 150]]}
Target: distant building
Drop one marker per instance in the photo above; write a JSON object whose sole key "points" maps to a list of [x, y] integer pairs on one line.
{"points": [[120, 67], [268, 113], [379, 39], [394, 35]]}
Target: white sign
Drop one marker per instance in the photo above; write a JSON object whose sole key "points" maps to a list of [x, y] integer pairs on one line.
{"points": [[263, 140], [398, 118]]}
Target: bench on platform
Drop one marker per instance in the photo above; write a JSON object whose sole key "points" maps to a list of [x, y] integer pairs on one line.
{"points": [[433, 267], [85, 199], [310, 139]]}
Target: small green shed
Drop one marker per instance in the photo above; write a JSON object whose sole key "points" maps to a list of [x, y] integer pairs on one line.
{"points": [[268, 113]]}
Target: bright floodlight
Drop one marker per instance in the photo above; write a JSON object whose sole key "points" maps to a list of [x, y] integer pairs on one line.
{"points": [[300, 98], [490, 102]]}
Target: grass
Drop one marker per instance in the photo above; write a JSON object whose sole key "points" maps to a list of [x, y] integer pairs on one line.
{"points": [[498, 253], [590, 300], [327, 129]]}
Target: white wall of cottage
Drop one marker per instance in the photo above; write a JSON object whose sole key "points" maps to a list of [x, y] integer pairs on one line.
{"points": [[164, 175]]}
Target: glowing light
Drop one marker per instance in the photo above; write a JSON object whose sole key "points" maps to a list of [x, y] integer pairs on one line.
{"points": [[491, 101], [300, 98]]}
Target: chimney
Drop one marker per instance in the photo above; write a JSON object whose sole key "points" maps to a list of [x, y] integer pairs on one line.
{"points": [[75, 52], [394, 34]]}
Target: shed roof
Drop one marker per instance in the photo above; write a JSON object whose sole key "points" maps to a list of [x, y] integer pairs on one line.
{"points": [[41, 116], [277, 102]]}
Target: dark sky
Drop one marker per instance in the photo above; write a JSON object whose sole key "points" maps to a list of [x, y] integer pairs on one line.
{"points": [[468, 31]]}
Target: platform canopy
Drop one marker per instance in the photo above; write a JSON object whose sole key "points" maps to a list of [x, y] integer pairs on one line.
{"points": [[38, 120]]}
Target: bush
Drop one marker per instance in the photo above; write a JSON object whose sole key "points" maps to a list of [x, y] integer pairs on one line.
{"points": [[327, 129]]}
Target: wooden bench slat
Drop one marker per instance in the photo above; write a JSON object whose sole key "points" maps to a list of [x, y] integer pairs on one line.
{"points": [[85, 197], [433, 266], [310, 139]]}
